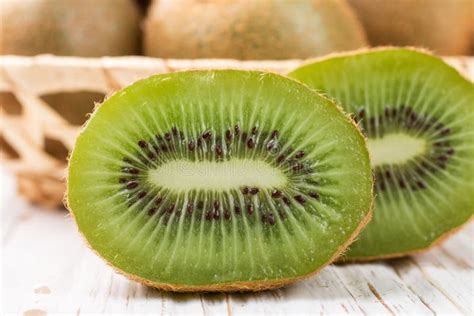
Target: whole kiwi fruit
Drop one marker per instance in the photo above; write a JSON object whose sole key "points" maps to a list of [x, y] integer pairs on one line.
{"points": [[73, 27], [418, 115], [219, 180], [443, 26], [241, 29]]}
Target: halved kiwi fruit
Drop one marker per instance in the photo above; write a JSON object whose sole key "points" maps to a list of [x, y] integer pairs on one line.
{"points": [[418, 115], [219, 180]]}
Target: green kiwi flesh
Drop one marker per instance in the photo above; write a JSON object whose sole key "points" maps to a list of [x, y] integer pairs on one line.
{"points": [[219, 180], [417, 113]]}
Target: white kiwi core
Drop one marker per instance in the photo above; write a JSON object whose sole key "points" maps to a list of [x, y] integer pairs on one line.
{"points": [[185, 175], [395, 148]]}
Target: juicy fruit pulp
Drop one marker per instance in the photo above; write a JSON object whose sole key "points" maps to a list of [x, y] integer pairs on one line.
{"points": [[418, 115], [219, 180]]}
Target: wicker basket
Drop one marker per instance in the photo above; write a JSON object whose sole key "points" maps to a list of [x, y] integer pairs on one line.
{"points": [[39, 121]]}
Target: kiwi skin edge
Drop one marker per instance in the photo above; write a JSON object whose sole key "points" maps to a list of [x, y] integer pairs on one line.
{"points": [[241, 286], [443, 237]]}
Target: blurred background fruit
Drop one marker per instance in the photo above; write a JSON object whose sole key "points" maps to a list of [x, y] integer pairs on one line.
{"points": [[242, 29], [444, 26], [70, 27]]}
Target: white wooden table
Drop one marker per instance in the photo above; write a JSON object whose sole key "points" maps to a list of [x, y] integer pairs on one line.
{"points": [[46, 269]]}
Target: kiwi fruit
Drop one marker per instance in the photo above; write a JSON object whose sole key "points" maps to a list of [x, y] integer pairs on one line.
{"points": [[219, 180], [241, 29], [73, 27], [443, 26], [418, 115]]}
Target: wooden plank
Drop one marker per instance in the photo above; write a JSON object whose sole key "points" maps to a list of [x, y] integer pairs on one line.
{"points": [[47, 268]]}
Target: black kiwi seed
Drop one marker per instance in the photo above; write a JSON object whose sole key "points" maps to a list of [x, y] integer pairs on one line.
{"points": [[276, 194], [141, 194], [251, 143], [122, 180], [216, 205], [245, 190], [445, 131], [191, 145], [421, 184], [189, 208], [286, 200], [401, 183], [275, 134], [158, 200], [208, 215], [450, 151], [271, 219], [443, 158], [254, 130], [300, 199], [226, 215], [168, 137], [200, 205], [142, 144], [237, 209], [299, 154], [270, 145], [250, 209], [216, 214], [219, 151], [237, 129], [253, 191], [152, 211], [280, 158], [207, 135], [228, 134], [132, 185], [314, 195], [175, 131]]}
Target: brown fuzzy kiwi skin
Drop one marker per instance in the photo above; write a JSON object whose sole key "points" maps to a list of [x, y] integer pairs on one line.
{"points": [[442, 238], [88, 28], [230, 286], [246, 30], [443, 26]]}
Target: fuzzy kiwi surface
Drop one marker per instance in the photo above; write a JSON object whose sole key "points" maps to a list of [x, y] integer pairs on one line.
{"points": [[219, 181], [73, 27], [418, 114], [443, 26], [241, 29]]}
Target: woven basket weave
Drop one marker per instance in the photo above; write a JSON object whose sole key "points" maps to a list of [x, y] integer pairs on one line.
{"points": [[36, 137]]}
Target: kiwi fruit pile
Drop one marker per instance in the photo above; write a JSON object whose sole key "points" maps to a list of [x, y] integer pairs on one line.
{"points": [[242, 29], [86, 28], [219, 180], [417, 113], [444, 26]]}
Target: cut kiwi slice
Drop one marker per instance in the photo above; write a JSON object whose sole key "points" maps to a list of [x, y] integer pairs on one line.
{"points": [[219, 180], [418, 115]]}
